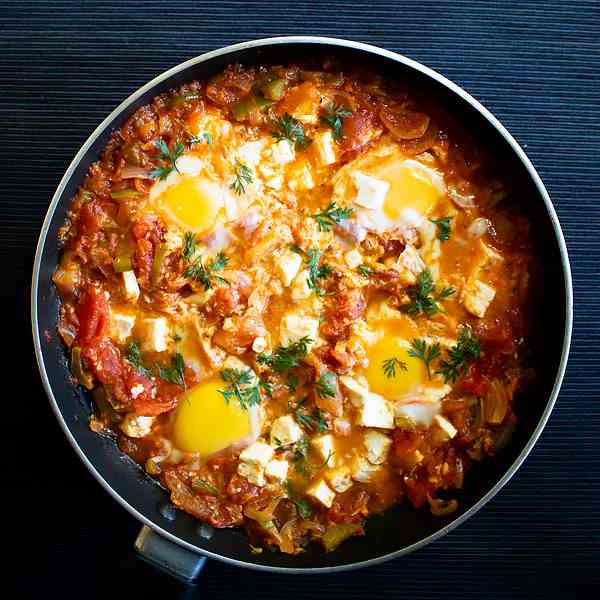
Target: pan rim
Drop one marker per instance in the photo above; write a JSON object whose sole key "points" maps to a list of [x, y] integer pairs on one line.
{"points": [[372, 50]]}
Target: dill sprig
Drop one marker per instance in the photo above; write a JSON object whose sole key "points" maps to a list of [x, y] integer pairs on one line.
{"points": [[242, 176], [286, 357], [288, 128], [205, 274], [425, 352], [444, 228], [168, 156], [390, 365], [175, 373], [243, 386], [424, 297], [133, 355], [317, 272], [466, 351], [331, 215], [333, 118]]}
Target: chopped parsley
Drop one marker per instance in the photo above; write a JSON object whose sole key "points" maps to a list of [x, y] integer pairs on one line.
{"points": [[189, 245], [168, 156], [286, 357], [288, 128], [331, 215], [242, 176], [333, 118], [444, 229], [134, 356], [390, 365], [365, 270], [313, 421], [204, 137], [466, 351], [317, 272], [325, 386], [425, 352], [205, 274], [424, 297], [174, 373], [243, 386]]}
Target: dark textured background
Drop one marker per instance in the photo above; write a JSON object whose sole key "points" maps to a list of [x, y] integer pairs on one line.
{"points": [[535, 65]]}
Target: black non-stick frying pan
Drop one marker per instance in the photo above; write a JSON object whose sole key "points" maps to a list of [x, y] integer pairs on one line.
{"points": [[180, 543]]}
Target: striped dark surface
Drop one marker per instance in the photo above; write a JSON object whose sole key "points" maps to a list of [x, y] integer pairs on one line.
{"points": [[65, 65]]}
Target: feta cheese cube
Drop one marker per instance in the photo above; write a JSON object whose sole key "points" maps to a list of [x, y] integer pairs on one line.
{"points": [[249, 153], [411, 260], [324, 445], [283, 152], [370, 191], [353, 258], [418, 413], [321, 492], [300, 289], [155, 334], [356, 392], [340, 479], [288, 266], [253, 473], [277, 469], [121, 325], [362, 470], [136, 426], [232, 206], [132, 289], [258, 453], [189, 164], [445, 426], [477, 297], [296, 326], [377, 445], [274, 183], [375, 412], [325, 148], [259, 344], [285, 431]]}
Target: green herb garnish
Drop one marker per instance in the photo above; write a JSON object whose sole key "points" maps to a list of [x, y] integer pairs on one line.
{"points": [[333, 118], [466, 351], [313, 421], [205, 274], [189, 245], [175, 373], [317, 272], [303, 507], [286, 357], [288, 128], [170, 157], [243, 386], [300, 457], [424, 298], [331, 215], [242, 176], [365, 270], [325, 386], [133, 355], [425, 352], [444, 229], [390, 365]]}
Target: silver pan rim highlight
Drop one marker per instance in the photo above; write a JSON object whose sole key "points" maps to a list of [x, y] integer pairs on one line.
{"points": [[373, 50]]}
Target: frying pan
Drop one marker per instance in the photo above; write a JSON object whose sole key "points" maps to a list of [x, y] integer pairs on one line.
{"points": [[180, 544]]}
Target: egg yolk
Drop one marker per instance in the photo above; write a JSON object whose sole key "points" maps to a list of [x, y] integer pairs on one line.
{"points": [[193, 203], [411, 186], [205, 423], [409, 372]]}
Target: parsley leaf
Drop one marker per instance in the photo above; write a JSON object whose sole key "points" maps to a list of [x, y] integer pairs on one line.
{"points": [[204, 274], [170, 157], [242, 176], [175, 373], [288, 128], [333, 118], [242, 386], [325, 386], [313, 421], [466, 351], [300, 458], [389, 366], [331, 215], [303, 507], [189, 245], [286, 357], [427, 353], [204, 137], [365, 270], [444, 229], [424, 298], [134, 356], [316, 272]]}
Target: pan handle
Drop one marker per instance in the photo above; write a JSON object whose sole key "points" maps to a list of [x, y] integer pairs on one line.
{"points": [[168, 556]]}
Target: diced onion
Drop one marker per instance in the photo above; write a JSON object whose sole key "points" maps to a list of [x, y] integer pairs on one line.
{"points": [[478, 227]]}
